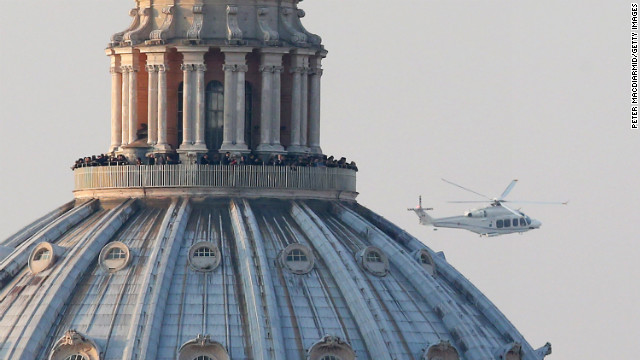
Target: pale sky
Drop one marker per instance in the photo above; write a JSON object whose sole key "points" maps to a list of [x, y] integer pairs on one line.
{"points": [[478, 92]]}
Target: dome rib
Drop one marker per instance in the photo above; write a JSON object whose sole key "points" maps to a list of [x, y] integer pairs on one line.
{"points": [[31, 229], [273, 313], [252, 292], [13, 263], [323, 240], [157, 279], [58, 286]]}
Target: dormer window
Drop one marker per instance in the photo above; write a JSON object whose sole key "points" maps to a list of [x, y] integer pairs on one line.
{"points": [[297, 258], [42, 257], [114, 256], [204, 256], [374, 261]]}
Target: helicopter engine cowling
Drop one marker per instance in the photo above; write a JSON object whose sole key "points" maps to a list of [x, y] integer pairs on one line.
{"points": [[476, 213]]}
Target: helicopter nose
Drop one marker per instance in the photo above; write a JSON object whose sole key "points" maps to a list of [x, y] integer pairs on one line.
{"points": [[535, 224]]}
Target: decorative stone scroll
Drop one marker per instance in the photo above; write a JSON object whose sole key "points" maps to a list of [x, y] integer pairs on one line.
{"points": [[269, 36], [297, 37], [511, 351], [193, 34], [160, 36], [441, 351], [202, 345], [74, 343], [234, 33], [143, 29], [117, 38], [331, 345], [311, 38]]}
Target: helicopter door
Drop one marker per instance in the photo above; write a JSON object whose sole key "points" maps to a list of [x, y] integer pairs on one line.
{"points": [[507, 223]]}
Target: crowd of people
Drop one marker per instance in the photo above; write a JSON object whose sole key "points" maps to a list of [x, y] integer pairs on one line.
{"points": [[219, 159]]}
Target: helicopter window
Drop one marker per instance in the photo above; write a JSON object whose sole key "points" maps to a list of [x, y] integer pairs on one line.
{"points": [[507, 222], [523, 222], [515, 222], [499, 224], [528, 220]]}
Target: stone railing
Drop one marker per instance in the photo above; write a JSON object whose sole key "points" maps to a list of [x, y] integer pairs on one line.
{"points": [[214, 176]]}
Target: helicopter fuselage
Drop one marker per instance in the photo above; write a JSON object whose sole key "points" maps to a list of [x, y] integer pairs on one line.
{"points": [[488, 221]]}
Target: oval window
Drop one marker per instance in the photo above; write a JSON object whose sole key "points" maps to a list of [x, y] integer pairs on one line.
{"points": [[115, 256], [374, 261], [42, 257], [297, 258], [204, 256]]}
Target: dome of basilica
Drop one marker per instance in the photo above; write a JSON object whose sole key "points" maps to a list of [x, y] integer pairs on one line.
{"points": [[215, 228]]}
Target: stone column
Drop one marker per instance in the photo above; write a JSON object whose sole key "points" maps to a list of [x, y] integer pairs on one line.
{"points": [[299, 101], [271, 67], [193, 100], [116, 105], [314, 103], [162, 144], [187, 140], [152, 105], [235, 66], [133, 104], [199, 108], [228, 133], [125, 104], [240, 105]]}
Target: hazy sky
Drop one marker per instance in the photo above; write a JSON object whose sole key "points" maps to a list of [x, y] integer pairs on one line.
{"points": [[478, 92]]}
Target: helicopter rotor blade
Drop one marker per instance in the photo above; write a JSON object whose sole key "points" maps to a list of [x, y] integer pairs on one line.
{"points": [[469, 190], [536, 202], [508, 189], [511, 210], [468, 202]]}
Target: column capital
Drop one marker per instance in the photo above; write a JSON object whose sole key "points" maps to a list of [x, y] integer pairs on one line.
{"points": [[115, 70], [151, 68], [300, 70], [187, 67], [200, 67], [235, 67], [271, 68]]}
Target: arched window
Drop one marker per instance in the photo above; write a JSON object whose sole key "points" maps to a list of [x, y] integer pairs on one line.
{"points": [[202, 357], [214, 118], [248, 112], [180, 110]]}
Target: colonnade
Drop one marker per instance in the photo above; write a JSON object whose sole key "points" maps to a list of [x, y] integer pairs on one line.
{"points": [[304, 119]]}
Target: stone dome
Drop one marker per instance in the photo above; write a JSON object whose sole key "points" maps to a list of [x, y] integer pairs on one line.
{"points": [[210, 260], [238, 278]]}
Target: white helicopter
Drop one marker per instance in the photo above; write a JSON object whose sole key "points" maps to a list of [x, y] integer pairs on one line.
{"points": [[494, 220]]}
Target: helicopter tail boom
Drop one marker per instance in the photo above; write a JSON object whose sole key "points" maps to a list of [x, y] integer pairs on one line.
{"points": [[425, 219]]}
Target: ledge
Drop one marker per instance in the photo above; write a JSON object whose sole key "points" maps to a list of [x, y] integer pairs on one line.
{"points": [[215, 180]]}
